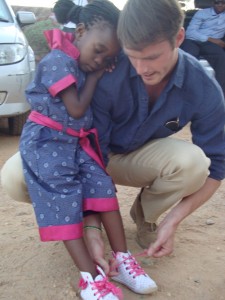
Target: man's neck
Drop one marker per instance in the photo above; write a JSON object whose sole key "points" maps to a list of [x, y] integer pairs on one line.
{"points": [[154, 91]]}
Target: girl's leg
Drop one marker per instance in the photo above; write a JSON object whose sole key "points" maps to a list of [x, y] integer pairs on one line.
{"points": [[98, 186], [113, 225], [80, 255], [94, 240], [94, 283]]}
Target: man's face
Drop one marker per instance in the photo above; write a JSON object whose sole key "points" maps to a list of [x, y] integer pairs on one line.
{"points": [[155, 62], [219, 6]]}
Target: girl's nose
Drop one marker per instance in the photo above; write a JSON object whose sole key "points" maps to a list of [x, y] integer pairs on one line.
{"points": [[99, 60]]}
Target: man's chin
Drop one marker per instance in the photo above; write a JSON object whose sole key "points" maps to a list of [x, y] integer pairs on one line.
{"points": [[150, 80]]}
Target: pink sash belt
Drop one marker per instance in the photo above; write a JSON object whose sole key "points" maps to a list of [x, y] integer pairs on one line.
{"points": [[41, 119]]}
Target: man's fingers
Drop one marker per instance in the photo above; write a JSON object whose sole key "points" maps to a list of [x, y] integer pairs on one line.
{"points": [[158, 250], [155, 247], [162, 252]]}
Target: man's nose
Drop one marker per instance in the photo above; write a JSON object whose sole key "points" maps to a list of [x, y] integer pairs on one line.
{"points": [[141, 66]]}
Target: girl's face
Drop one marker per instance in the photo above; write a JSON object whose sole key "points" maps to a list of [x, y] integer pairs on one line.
{"points": [[98, 46]]}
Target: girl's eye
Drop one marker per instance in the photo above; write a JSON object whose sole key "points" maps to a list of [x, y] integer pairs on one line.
{"points": [[98, 51]]}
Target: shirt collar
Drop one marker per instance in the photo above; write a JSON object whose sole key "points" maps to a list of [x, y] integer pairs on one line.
{"points": [[178, 74]]}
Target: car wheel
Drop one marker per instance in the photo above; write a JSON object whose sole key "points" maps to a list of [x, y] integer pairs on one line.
{"points": [[16, 123]]}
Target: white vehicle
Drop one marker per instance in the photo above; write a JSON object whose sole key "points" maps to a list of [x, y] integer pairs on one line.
{"points": [[187, 4], [17, 66]]}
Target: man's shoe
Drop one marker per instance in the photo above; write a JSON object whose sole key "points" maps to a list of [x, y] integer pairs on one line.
{"points": [[146, 232], [131, 274]]}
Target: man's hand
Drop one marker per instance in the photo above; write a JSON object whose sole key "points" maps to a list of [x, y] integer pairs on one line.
{"points": [[218, 42], [167, 228], [164, 242]]}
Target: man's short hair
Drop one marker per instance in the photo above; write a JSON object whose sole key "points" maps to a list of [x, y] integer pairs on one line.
{"points": [[143, 22]]}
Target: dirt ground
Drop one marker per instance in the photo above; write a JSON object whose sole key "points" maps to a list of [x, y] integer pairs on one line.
{"points": [[31, 270]]}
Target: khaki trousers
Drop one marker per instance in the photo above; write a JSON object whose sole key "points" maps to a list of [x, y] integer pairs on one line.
{"points": [[167, 169]]}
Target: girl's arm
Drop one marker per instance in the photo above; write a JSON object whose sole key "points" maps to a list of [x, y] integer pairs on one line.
{"points": [[77, 104], [95, 244]]}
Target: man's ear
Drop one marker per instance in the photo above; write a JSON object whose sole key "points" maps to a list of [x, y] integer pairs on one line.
{"points": [[80, 29], [180, 37]]}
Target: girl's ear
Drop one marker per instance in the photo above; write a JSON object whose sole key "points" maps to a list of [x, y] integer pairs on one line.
{"points": [[80, 29]]}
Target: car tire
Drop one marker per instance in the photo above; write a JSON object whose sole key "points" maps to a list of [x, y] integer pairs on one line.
{"points": [[16, 123]]}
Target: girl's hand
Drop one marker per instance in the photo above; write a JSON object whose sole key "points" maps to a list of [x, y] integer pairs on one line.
{"points": [[95, 244], [111, 65], [96, 75], [96, 248]]}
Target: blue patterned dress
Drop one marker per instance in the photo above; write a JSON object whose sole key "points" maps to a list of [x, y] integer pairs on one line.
{"points": [[62, 179]]}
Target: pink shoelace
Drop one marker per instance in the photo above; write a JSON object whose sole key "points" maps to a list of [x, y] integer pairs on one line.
{"points": [[103, 287], [132, 265]]}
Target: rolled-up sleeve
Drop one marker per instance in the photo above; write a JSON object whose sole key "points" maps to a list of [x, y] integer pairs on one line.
{"points": [[208, 130]]}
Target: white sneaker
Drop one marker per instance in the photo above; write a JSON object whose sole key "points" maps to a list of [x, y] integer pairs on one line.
{"points": [[132, 275], [99, 288]]}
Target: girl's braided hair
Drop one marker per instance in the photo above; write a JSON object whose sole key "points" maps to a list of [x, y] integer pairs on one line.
{"points": [[98, 10]]}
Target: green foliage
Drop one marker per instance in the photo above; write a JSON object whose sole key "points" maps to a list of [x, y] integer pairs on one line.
{"points": [[35, 36]]}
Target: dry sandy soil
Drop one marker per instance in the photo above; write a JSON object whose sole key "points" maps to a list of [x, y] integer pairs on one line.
{"points": [[31, 270]]}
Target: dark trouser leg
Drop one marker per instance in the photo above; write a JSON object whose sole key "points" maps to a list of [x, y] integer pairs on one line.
{"points": [[215, 55], [191, 47]]}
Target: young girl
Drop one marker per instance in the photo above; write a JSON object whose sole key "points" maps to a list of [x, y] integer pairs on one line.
{"points": [[62, 164]]}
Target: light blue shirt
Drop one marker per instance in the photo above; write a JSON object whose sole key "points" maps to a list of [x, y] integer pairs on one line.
{"points": [[206, 23]]}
